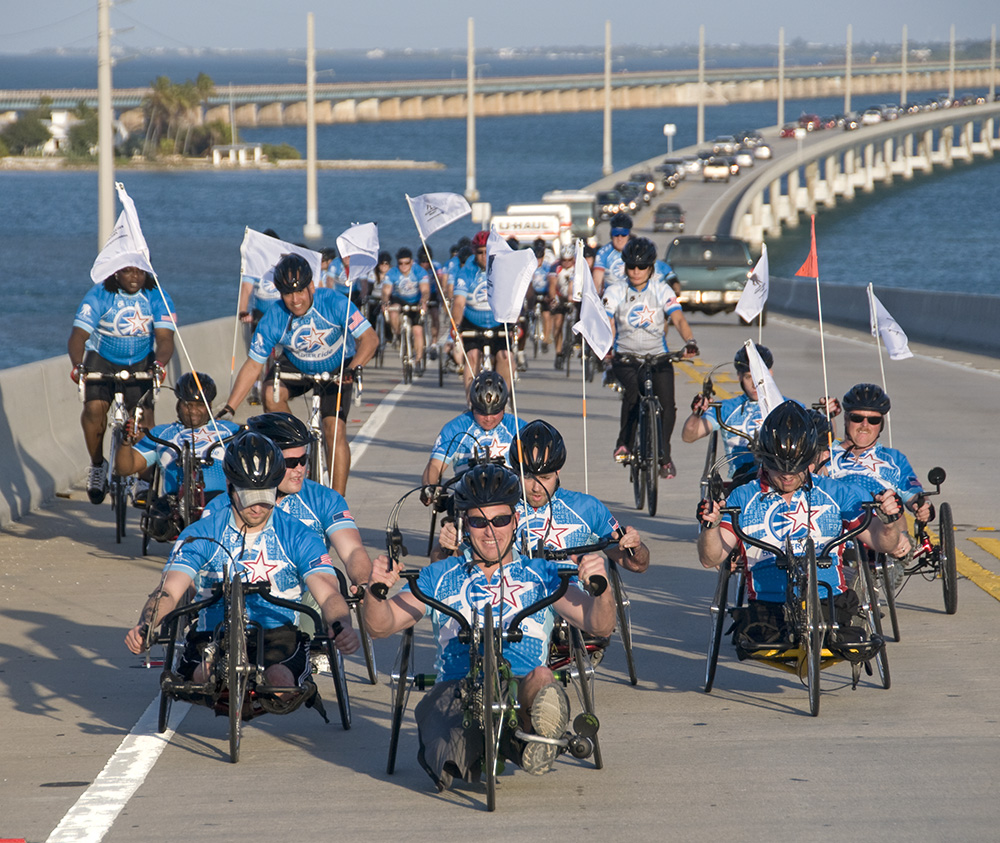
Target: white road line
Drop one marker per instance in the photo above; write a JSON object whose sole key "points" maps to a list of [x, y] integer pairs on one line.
{"points": [[369, 430], [95, 811]]}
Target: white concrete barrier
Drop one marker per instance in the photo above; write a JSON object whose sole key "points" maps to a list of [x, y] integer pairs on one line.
{"points": [[41, 443]]}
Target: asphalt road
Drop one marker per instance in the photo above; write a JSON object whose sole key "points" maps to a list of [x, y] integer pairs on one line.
{"points": [[747, 762]]}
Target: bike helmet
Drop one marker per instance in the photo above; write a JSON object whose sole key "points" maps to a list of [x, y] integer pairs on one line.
{"points": [[639, 252], [253, 461], [867, 396], [328, 253], [787, 440], [542, 448], [538, 247], [742, 361], [404, 254], [488, 393], [283, 429], [621, 220], [186, 388], [425, 254], [568, 252], [292, 273], [823, 426], [486, 485], [479, 241]]}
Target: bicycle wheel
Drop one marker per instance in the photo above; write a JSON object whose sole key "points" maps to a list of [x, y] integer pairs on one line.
{"points": [[399, 681], [717, 613], [380, 333], [536, 331], [339, 683], [567, 345], [637, 466], [406, 350], [890, 595], [652, 459], [151, 495], [589, 365], [165, 699], [585, 678], [441, 365], [624, 619], [815, 628], [947, 564], [491, 698], [872, 616], [367, 648], [238, 665], [117, 486]]}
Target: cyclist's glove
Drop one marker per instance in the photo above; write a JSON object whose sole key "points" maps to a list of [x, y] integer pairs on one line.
{"points": [[691, 347], [889, 519], [77, 372], [428, 494], [159, 372], [225, 412], [705, 507]]}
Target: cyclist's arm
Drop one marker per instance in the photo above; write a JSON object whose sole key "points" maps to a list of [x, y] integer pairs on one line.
{"points": [[248, 373], [243, 306], [129, 461], [77, 345], [679, 321], [365, 347], [695, 426], [884, 537], [160, 603], [595, 615], [433, 472], [598, 275], [715, 543], [164, 338], [425, 294], [384, 617], [325, 588], [458, 310], [630, 539], [351, 550]]}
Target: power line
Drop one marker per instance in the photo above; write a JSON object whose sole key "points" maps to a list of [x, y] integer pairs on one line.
{"points": [[88, 11]]}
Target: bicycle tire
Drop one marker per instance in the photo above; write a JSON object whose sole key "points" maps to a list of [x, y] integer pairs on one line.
{"points": [[491, 698], [947, 563], [873, 617], [441, 365], [400, 692], [237, 665], [380, 333], [636, 465], [717, 614], [163, 715], [367, 647], [406, 349], [622, 605], [585, 678], [589, 366], [116, 486], [339, 683], [653, 462], [187, 500], [814, 629], [567, 344], [890, 596], [151, 495]]}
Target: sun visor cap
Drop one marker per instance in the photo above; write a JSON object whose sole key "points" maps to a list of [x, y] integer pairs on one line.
{"points": [[252, 497]]}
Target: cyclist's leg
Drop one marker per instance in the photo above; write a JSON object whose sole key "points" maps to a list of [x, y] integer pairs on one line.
{"points": [[94, 421], [335, 436], [393, 318], [469, 372], [628, 376], [418, 341], [503, 366], [663, 388], [555, 331]]}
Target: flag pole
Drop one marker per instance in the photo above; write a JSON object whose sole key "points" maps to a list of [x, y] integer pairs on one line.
{"points": [[583, 392], [437, 281], [340, 382], [881, 363], [236, 329], [819, 309]]}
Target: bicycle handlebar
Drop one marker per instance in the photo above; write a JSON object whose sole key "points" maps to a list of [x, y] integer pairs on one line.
{"points": [[597, 585], [205, 461], [650, 359], [121, 376]]}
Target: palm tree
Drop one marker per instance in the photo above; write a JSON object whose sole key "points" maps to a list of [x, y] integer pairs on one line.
{"points": [[158, 107]]}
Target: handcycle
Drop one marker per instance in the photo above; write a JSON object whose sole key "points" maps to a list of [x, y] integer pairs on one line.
{"points": [[236, 686], [813, 641], [319, 471], [120, 487], [930, 561], [643, 460]]}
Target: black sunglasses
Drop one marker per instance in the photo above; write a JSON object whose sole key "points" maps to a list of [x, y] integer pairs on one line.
{"points": [[857, 418], [295, 462], [478, 522], [637, 266]]}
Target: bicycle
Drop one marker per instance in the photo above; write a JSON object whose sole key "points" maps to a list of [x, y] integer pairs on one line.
{"points": [[643, 460], [813, 642], [407, 358], [536, 328], [487, 334], [120, 487]]}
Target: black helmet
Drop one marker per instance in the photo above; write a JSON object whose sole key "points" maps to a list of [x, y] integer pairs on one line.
{"points": [[742, 361], [186, 388], [542, 447], [867, 396], [253, 461], [283, 429], [487, 485], [621, 220], [639, 252], [787, 440], [292, 273], [404, 254], [538, 248], [488, 393], [328, 253], [823, 426]]}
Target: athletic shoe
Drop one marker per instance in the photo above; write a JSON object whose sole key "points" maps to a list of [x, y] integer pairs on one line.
{"points": [[545, 348], [549, 718], [97, 482], [140, 494], [559, 360], [668, 471], [253, 398], [432, 352], [621, 453]]}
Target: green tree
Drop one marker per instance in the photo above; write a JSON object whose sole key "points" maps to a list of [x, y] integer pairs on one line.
{"points": [[25, 134], [83, 136]]}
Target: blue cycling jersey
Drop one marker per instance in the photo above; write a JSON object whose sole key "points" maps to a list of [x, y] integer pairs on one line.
{"points": [[405, 288], [203, 440], [284, 553], [462, 439], [876, 469], [264, 294], [540, 278], [472, 285], [610, 260], [742, 414], [570, 519], [121, 325], [460, 584], [315, 341]]}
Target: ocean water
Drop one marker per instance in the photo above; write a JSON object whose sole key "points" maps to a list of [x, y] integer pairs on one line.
{"points": [[935, 233]]}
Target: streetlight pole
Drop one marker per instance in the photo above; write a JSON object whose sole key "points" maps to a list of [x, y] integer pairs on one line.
{"points": [[105, 128], [312, 230], [606, 167], [471, 193]]}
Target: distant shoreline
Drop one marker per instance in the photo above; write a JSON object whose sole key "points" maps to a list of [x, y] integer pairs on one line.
{"points": [[21, 164]]}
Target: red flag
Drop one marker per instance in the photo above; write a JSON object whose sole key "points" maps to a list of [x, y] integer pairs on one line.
{"points": [[810, 269]]}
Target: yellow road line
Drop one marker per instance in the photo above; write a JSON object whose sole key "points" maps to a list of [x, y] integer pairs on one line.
{"points": [[986, 580]]}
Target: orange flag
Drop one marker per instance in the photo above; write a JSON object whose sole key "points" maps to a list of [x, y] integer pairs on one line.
{"points": [[810, 268]]}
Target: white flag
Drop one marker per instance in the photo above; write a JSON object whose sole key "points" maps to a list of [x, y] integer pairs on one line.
{"points": [[433, 211], [768, 394], [508, 274], [754, 295], [126, 246], [260, 253], [360, 244], [594, 325], [884, 326]]}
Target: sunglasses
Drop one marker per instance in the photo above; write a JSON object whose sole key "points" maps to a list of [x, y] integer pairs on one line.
{"points": [[630, 266], [857, 418], [295, 462], [478, 522], [621, 232], [480, 251]]}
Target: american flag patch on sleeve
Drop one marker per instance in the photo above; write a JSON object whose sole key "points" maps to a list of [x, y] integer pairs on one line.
{"points": [[356, 319], [323, 560]]}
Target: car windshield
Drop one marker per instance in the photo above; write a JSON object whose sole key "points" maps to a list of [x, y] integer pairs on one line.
{"points": [[718, 253]]}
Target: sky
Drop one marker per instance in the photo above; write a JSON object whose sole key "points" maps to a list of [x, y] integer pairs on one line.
{"points": [[421, 24]]}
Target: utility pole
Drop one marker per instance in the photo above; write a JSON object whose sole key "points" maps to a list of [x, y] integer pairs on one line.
{"points": [[951, 65], [607, 168], [781, 76], [847, 72], [701, 84], [105, 128], [471, 193], [312, 230], [902, 72]]}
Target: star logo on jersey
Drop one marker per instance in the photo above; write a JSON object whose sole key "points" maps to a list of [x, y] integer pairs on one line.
{"points": [[869, 461], [641, 317], [202, 437], [505, 590], [311, 338], [803, 518], [495, 447], [259, 570], [550, 531], [135, 322]]}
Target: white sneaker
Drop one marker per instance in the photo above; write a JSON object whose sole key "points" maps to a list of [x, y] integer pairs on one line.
{"points": [[97, 482], [549, 718]]}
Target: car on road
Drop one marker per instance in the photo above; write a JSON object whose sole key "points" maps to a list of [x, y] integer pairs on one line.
{"points": [[712, 270], [750, 137], [692, 165], [668, 216], [609, 203], [871, 116], [716, 169], [852, 121], [811, 122], [724, 144], [788, 130], [646, 179], [670, 175], [762, 152], [745, 158]]}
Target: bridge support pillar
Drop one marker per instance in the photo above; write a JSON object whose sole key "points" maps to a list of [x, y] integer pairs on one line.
{"points": [[246, 115], [812, 183], [906, 149], [926, 149], [832, 174], [986, 136], [868, 185], [774, 207], [792, 216], [968, 133], [947, 146], [850, 168], [887, 160]]}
